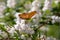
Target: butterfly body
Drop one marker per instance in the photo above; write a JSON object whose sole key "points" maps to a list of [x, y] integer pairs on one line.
{"points": [[27, 15]]}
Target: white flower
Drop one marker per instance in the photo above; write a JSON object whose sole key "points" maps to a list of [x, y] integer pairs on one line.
{"points": [[47, 5], [59, 19], [17, 26], [56, 1], [36, 19], [18, 19], [23, 37], [17, 13], [43, 37], [27, 5], [25, 28], [35, 5], [2, 8], [11, 3], [11, 31], [23, 21], [7, 28], [51, 38], [29, 31], [55, 19], [3, 34], [0, 32], [7, 13], [43, 28], [2, 23], [34, 9]]}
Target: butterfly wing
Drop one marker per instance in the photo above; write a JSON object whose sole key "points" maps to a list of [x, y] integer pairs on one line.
{"points": [[27, 15], [31, 14]]}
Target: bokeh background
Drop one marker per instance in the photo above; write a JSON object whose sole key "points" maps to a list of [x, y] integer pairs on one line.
{"points": [[50, 31]]}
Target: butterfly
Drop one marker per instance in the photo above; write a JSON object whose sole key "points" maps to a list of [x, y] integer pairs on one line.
{"points": [[27, 15]]}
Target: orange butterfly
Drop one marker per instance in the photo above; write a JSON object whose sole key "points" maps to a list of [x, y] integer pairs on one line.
{"points": [[27, 15]]}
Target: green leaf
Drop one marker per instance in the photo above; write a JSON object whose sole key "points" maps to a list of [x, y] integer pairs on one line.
{"points": [[2, 27], [53, 5], [53, 31], [16, 36]]}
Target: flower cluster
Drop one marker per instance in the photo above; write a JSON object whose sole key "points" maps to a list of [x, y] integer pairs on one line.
{"points": [[47, 5], [56, 1], [11, 3], [2, 8], [55, 19]]}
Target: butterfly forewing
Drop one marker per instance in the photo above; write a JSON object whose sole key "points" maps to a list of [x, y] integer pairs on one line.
{"points": [[31, 14]]}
